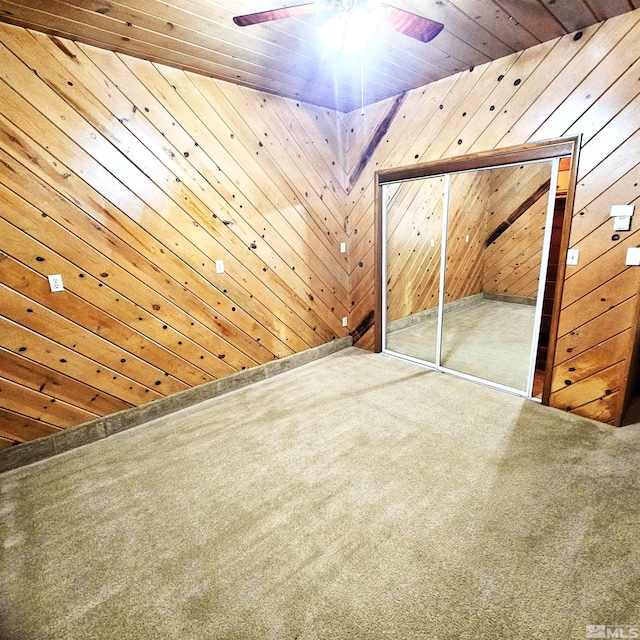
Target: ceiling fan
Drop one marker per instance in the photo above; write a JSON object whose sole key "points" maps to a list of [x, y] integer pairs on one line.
{"points": [[389, 17]]}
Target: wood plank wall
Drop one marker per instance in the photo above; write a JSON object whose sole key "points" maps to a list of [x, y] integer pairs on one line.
{"points": [[584, 83], [130, 179], [481, 203]]}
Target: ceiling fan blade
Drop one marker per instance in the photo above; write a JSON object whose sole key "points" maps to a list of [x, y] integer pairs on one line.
{"points": [[279, 14], [409, 24]]}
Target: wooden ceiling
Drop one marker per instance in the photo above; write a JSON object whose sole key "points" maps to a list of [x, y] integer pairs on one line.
{"points": [[286, 57]]}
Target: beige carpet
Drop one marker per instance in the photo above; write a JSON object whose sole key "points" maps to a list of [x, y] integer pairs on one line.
{"points": [[358, 497], [488, 339]]}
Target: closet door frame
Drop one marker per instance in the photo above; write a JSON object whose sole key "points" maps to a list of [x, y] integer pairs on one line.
{"points": [[547, 150]]}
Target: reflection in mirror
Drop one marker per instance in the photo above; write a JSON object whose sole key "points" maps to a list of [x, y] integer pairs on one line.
{"points": [[414, 244], [496, 222]]}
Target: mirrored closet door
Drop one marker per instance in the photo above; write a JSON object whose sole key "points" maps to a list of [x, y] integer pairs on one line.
{"points": [[464, 270]]}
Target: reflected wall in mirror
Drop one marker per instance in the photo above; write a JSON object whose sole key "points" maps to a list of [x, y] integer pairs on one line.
{"points": [[496, 228], [414, 246]]}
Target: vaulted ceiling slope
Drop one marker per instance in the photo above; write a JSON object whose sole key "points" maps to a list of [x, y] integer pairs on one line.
{"points": [[286, 57]]}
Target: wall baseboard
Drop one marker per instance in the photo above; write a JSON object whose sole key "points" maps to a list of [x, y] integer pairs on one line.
{"points": [[27, 453]]}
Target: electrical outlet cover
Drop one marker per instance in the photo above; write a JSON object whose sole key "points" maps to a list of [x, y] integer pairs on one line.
{"points": [[55, 283], [572, 257]]}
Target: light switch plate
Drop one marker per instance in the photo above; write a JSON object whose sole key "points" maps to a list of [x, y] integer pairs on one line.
{"points": [[622, 223], [624, 210], [633, 257], [572, 257], [219, 266], [343, 247]]}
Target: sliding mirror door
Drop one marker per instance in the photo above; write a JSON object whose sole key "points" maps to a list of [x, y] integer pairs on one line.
{"points": [[463, 257], [495, 261], [413, 234]]}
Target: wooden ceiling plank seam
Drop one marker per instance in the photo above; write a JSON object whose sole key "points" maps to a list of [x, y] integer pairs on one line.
{"points": [[100, 322], [70, 334], [210, 70], [276, 283], [14, 337], [100, 150], [233, 287], [540, 22], [180, 16], [569, 77], [173, 22], [133, 32], [20, 246], [596, 84], [223, 65], [497, 22], [38, 377], [574, 17], [605, 9], [460, 25]]}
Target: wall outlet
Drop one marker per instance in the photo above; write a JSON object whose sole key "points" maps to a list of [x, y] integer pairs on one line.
{"points": [[343, 247], [219, 266], [572, 257], [55, 283], [344, 321]]}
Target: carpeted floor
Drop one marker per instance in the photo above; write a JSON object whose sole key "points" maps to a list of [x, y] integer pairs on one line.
{"points": [[358, 497], [488, 339]]}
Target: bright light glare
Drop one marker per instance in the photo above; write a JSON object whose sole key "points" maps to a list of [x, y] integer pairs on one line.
{"points": [[348, 32]]}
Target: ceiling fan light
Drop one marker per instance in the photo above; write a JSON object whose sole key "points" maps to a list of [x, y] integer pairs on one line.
{"points": [[349, 32]]}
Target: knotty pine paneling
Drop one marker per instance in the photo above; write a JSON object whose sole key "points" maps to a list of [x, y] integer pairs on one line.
{"points": [[130, 180], [580, 83], [481, 202], [517, 207]]}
